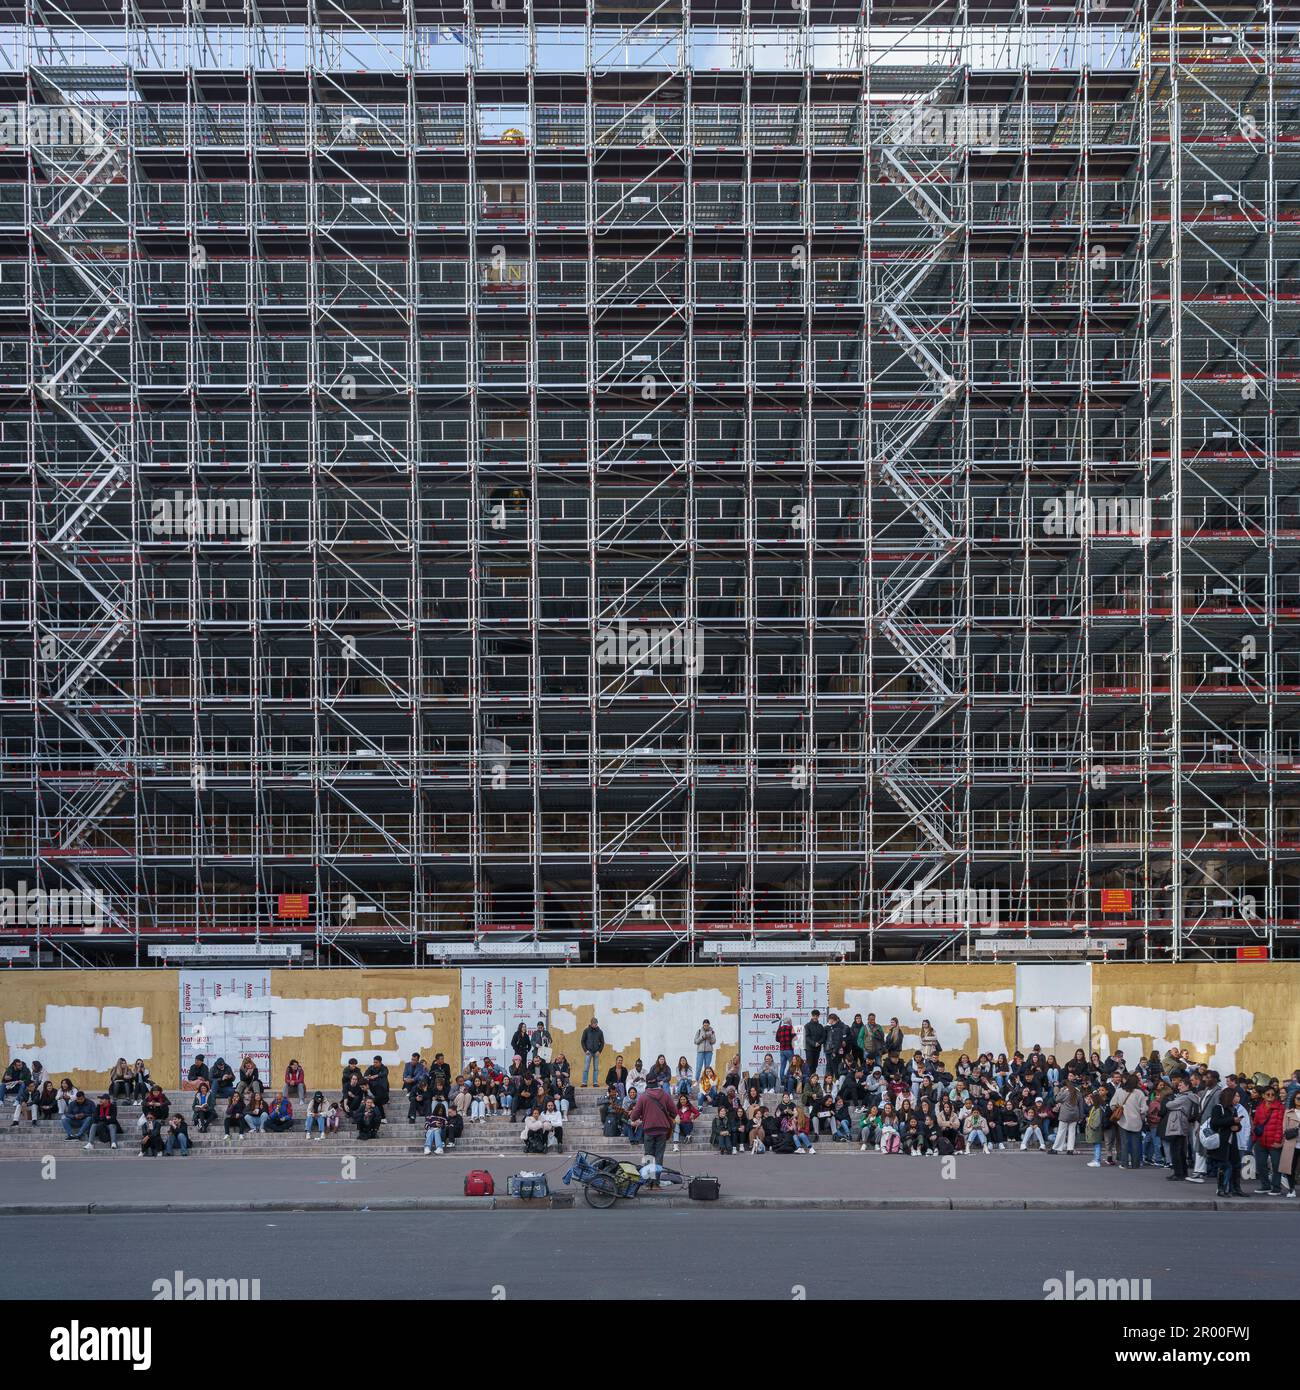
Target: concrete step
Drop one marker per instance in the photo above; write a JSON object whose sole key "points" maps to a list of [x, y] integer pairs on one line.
{"points": [[488, 1139]]}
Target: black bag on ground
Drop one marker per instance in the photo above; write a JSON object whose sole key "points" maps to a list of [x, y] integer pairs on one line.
{"points": [[703, 1189], [536, 1142]]}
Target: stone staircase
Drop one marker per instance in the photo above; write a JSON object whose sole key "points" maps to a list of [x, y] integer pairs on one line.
{"points": [[494, 1136]]}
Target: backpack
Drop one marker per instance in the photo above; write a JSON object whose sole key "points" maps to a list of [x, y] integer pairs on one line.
{"points": [[536, 1142], [478, 1183]]}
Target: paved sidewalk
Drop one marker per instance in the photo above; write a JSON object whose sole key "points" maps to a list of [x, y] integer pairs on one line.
{"points": [[832, 1177]]}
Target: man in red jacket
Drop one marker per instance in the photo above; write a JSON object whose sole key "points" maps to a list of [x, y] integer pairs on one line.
{"points": [[1266, 1125], [656, 1114]]}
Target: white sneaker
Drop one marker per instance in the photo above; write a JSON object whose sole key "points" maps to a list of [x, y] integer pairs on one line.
{"points": [[1092, 1163], [112, 1145], [812, 1151], [91, 1145], [862, 1148], [676, 1149]]}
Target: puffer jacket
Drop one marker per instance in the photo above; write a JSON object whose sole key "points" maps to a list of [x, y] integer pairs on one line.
{"points": [[1266, 1124]]}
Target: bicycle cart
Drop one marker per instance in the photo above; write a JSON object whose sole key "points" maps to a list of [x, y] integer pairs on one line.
{"points": [[604, 1180]]}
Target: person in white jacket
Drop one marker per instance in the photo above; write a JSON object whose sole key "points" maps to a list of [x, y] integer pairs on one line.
{"points": [[535, 1124]]}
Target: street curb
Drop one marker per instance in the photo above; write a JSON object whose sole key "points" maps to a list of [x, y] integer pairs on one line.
{"points": [[364, 1204]]}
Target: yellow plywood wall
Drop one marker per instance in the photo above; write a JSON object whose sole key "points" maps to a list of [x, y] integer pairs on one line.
{"points": [[644, 1011], [971, 1007], [1239, 1018], [323, 1017], [77, 1023]]}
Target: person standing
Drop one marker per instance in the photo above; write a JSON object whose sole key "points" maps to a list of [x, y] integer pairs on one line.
{"points": [[1290, 1136], [1266, 1126], [1225, 1122], [814, 1039], [1129, 1110], [593, 1044], [540, 1043], [873, 1041], [1067, 1120], [706, 1041], [785, 1048], [1204, 1099], [837, 1034], [656, 1114], [1179, 1114]]}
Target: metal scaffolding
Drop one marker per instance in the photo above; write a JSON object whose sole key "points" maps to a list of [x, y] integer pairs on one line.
{"points": [[649, 474]]}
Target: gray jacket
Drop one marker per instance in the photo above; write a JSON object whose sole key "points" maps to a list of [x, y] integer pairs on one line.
{"points": [[1178, 1110]]}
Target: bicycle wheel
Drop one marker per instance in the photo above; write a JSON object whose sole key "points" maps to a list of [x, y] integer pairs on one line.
{"points": [[600, 1191]]}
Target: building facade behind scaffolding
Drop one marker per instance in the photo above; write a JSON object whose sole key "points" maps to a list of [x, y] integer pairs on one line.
{"points": [[649, 476]]}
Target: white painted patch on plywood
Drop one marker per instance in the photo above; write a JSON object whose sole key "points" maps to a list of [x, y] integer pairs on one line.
{"points": [[666, 1024], [964, 1020], [394, 1027], [1214, 1034], [80, 1037]]}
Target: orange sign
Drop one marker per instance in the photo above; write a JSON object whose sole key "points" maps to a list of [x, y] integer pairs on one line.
{"points": [[1252, 952], [293, 905], [1117, 900]]}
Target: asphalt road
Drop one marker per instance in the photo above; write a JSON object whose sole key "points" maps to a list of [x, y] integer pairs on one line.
{"points": [[638, 1253]]}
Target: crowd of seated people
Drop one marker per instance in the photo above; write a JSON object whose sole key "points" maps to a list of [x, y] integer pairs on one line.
{"points": [[1165, 1111], [853, 1088]]}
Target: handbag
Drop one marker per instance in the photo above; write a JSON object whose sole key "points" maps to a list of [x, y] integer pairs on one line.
{"points": [[1290, 1135]]}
